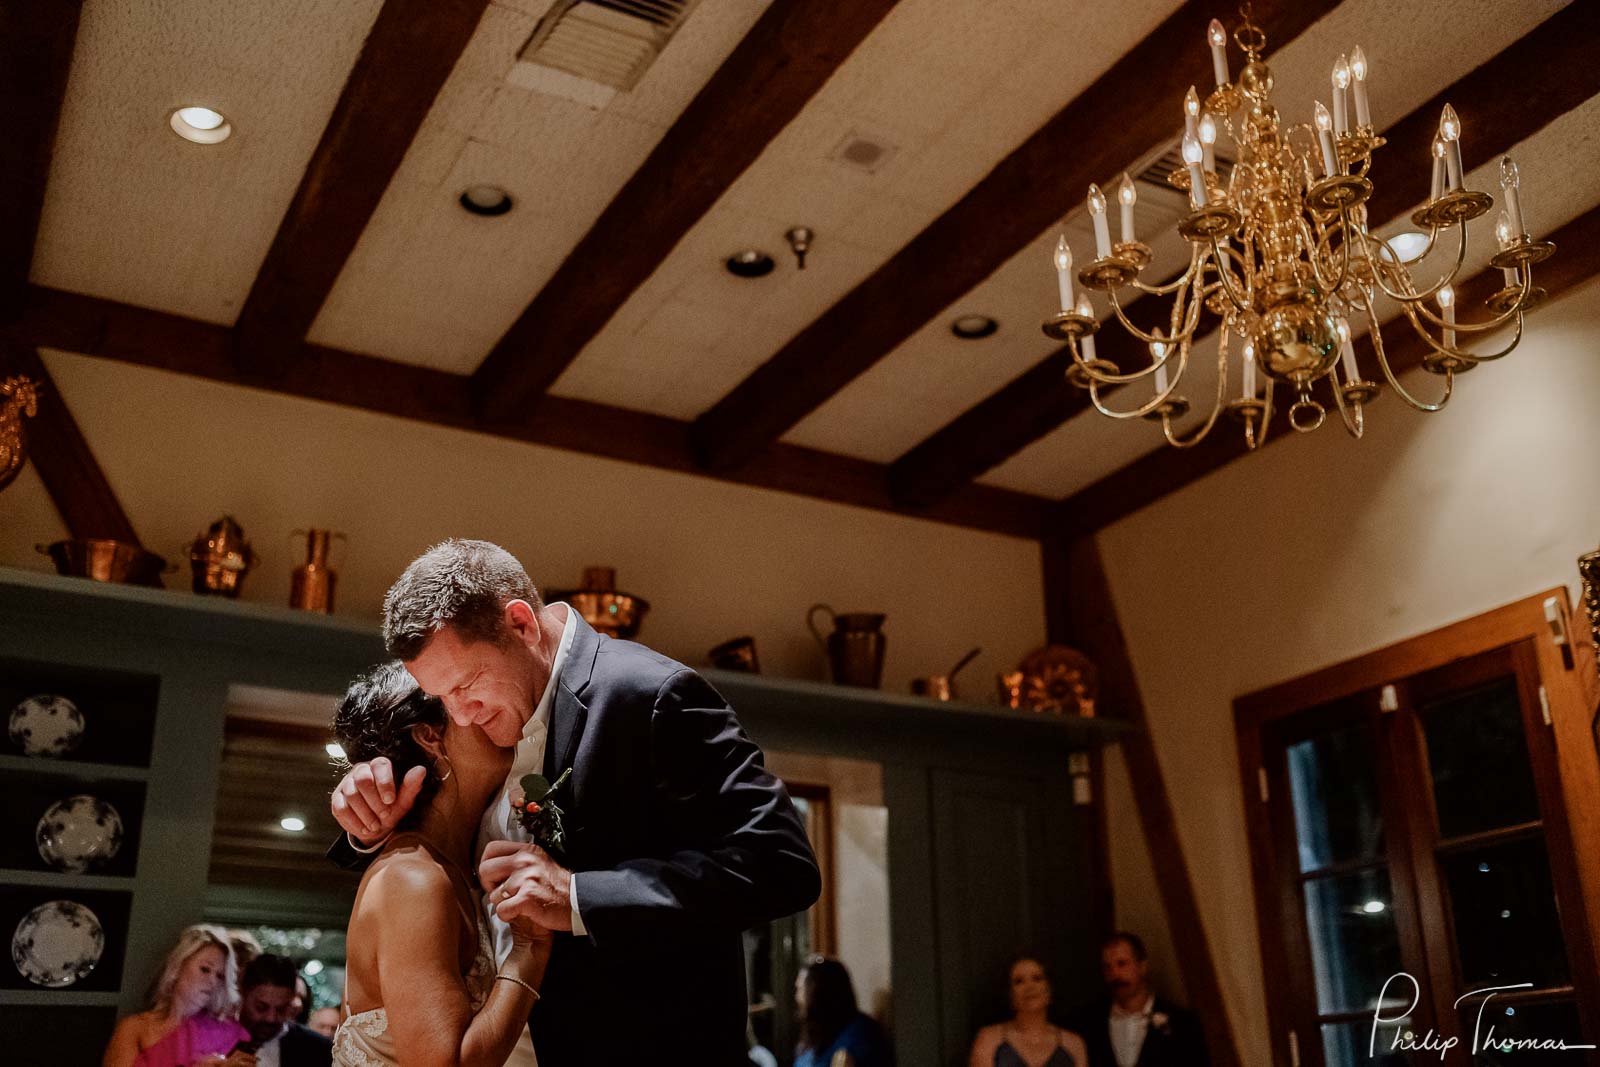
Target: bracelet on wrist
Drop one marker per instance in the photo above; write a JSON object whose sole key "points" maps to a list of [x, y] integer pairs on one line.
{"points": [[520, 982]]}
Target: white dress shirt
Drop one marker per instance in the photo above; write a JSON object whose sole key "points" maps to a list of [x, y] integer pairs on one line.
{"points": [[267, 1054], [498, 823], [1128, 1030]]}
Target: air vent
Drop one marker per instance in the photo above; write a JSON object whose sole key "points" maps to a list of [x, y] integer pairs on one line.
{"points": [[862, 151], [608, 42], [1171, 160]]}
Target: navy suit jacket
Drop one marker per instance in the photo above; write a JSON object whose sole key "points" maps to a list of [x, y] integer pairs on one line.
{"points": [[303, 1047], [681, 840], [1181, 1043]]}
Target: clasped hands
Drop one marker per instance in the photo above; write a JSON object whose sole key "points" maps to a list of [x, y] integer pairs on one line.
{"points": [[521, 880]]}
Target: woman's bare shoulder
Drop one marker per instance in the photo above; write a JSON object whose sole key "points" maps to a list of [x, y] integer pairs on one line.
{"points": [[407, 874]]}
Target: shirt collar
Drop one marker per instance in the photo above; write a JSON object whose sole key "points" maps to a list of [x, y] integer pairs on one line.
{"points": [[1149, 1006], [541, 713]]}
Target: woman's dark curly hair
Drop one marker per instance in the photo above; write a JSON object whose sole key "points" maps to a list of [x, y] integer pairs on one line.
{"points": [[376, 718]]}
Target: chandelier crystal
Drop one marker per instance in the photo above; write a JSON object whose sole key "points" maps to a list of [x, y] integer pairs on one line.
{"points": [[1281, 251]]}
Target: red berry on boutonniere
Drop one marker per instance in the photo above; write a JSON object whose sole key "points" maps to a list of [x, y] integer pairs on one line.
{"points": [[539, 815]]}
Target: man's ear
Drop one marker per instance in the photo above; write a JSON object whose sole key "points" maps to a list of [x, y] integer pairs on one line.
{"points": [[522, 620]]}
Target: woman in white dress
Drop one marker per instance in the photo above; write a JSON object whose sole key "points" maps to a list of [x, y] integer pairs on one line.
{"points": [[421, 986]]}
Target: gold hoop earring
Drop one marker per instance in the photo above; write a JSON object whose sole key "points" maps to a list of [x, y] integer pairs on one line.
{"points": [[445, 777]]}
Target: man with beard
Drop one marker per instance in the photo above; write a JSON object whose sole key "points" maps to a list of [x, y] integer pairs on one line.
{"points": [[1134, 1027], [268, 990]]}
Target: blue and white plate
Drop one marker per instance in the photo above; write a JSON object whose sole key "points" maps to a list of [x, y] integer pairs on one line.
{"points": [[57, 943], [78, 833], [46, 725]]}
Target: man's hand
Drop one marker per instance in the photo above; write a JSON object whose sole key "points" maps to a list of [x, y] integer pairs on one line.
{"points": [[365, 804], [523, 881]]}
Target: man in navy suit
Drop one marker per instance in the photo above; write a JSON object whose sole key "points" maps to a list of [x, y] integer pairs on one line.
{"points": [[1134, 1027], [267, 994], [677, 838]]}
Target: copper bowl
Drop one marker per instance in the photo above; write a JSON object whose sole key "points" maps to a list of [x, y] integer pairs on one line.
{"points": [[104, 560], [614, 614]]}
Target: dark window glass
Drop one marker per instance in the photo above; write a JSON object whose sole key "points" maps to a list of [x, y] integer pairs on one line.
{"points": [[1482, 777], [1503, 907], [1347, 1044], [1334, 788], [1354, 946], [1521, 1034]]}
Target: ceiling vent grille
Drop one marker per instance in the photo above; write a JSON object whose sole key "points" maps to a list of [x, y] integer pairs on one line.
{"points": [[609, 42], [1171, 160]]}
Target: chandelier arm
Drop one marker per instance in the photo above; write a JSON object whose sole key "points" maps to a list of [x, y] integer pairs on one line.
{"points": [[1216, 406], [1252, 439], [1227, 286], [1415, 297], [1192, 321], [1343, 229], [1474, 327], [1356, 426], [1394, 383], [1174, 285], [1439, 347], [1137, 413], [1221, 258]]}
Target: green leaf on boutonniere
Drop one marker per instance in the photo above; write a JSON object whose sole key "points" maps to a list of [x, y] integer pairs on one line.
{"points": [[535, 787]]}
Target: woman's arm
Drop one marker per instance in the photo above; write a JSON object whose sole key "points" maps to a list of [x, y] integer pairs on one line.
{"points": [[430, 1016], [984, 1047], [124, 1046], [1076, 1048]]}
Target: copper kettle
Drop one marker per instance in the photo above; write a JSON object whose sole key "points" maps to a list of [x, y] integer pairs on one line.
{"points": [[221, 557]]}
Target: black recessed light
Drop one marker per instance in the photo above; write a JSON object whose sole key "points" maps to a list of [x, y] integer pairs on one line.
{"points": [[973, 327], [490, 200], [750, 263]]}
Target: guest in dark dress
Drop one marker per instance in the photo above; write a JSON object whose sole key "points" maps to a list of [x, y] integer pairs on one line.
{"points": [[833, 1031], [1028, 1038]]}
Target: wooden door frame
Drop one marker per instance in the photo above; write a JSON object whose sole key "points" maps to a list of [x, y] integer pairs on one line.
{"points": [[1566, 669]]}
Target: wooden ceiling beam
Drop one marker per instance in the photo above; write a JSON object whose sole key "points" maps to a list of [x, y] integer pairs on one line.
{"points": [[97, 327], [1166, 470], [56, 448], [1129, 111], [1553, 76], [408, 55], [36, 42], [783, 61]]}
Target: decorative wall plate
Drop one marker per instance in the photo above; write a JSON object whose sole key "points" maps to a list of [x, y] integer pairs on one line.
{"points": [[57, 943], [78, 833], [46, 725]]}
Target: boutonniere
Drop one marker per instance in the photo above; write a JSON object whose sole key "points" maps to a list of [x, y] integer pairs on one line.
{"points": [[540, 815], [1159, 1020]]}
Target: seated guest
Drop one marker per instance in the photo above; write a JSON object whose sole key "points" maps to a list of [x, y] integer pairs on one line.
{"points": [[1028, 1038], [245, 949], [267, 1012], [325, 1021], [1134, 1027], [300, 1006], [191, 1006], [833, 1031]]}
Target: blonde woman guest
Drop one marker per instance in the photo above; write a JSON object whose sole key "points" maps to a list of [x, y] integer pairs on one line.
{"points": [[190, 1019], [1028, 1038]]}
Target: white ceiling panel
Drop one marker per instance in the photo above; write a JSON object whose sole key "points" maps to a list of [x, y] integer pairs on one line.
{"points": [[135, 213], [430, 283]]}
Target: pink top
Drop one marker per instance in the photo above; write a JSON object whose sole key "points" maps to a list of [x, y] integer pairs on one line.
{"points": [[196, 1037]]}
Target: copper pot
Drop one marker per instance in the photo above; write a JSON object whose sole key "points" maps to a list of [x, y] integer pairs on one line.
{"points": [[220, 558], [104, 560], [608, 611], [855, 648]]}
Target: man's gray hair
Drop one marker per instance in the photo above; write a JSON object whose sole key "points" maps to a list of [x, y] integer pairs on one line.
{"points": [[465, 585]]}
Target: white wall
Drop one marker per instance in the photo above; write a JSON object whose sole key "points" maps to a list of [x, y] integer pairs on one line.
{"points": [[715, 560], [1321, 548]]}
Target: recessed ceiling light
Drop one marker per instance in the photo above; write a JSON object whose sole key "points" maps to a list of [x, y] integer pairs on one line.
{"points": [[313, 967], [335, 750], [200, 125], [293, 823], [490, 200], [973, 327], [750, 263], [1409, 246]]}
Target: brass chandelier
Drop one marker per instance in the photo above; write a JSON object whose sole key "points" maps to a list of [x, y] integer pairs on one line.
{"points": [[1282, 253]]}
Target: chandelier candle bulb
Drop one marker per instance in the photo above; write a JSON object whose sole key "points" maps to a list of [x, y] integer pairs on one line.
{"points": [[1086, 342], [1341, 85], [1192, 155], [1063, 260], [1127, 196], [1450, 134], [1330, 154], [1191, 113], [1102, 228], [1158, 352], [1249, 371], [1511, 185], [1447, 305], [1347, 352], [1502, 234], [1358, 72], [1208, 138], [1436, 187], [1219, 52]]}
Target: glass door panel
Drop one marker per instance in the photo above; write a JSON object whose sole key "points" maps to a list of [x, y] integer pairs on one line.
{"points": [[1503, 912], [1355, 947], [1478, 758], [1334, 789]]}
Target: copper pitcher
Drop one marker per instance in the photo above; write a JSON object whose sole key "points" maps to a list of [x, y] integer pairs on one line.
{"points": [[220, 557], [311, 585], [855, 648]]}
